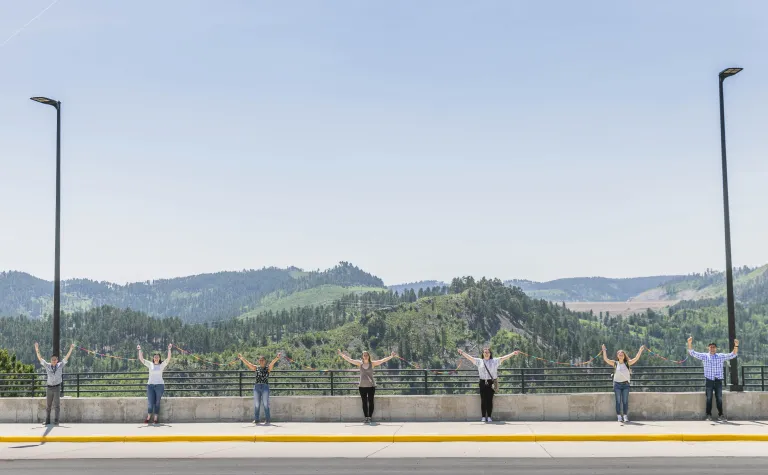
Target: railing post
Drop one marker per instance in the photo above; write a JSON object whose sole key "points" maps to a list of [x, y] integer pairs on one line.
{"points": [[762, 378], [522, 380], [426, 382], [331, 371], [240, 382], [34, 380], [77, 384]]}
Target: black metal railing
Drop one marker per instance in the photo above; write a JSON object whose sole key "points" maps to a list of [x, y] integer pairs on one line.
{"points": [[389, 381], [753, 377]]}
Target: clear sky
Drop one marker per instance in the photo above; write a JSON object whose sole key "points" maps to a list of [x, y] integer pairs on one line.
{"points": [[417, 140]]}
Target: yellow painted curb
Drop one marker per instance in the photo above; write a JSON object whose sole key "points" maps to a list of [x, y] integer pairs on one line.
{"points": [[396, 438], [322, 438], [464, 438]]}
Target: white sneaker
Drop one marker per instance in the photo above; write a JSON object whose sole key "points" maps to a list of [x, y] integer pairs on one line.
{"points": [[620, 419], [489, 420], [482, 420], [626, 418]]}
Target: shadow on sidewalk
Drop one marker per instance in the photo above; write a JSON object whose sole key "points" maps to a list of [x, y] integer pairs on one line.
{"points": [[47, 431]]}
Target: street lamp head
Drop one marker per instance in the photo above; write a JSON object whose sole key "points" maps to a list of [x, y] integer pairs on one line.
{"points": [[728, 72], [45, 100]]}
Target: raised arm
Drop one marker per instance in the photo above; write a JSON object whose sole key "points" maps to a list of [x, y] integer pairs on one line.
{"points": [[467, 356], [735, 352], [246, 362], [272, 364], [605, 358], [348, 359], [168, 359], [141, 356], [383, 360], [695, 354], [506, 357], [37, 352], [637, 357], [69, 353]]}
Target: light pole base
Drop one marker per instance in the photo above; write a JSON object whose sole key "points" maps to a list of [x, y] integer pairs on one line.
{"points": [[736, 388]]}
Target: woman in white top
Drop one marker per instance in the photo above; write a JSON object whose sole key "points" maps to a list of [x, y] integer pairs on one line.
{"points": [[488, 369], [155, 384], [621, 377]]}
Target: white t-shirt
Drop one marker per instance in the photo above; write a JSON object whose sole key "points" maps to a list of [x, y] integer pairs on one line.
{"points": [[155, 371], [621, 373], [493, 367]]}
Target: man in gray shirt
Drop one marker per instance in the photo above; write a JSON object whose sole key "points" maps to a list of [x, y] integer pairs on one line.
{"points": [[54, 371]]}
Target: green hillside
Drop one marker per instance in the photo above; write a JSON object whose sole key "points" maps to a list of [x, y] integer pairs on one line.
{"points": [[198, 298], [710, 285], [322, 295], [590, 289]]}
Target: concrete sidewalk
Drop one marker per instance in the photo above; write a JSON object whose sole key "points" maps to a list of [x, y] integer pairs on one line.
{"points": [[391, 432]]}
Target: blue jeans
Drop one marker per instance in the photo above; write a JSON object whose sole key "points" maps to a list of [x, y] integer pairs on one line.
{"points": [[154, 394], [621, 391], [261, 398], [715, 386]]}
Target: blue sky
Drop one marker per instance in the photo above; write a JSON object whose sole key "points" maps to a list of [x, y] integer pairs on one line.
{"points": [[417, 140]]}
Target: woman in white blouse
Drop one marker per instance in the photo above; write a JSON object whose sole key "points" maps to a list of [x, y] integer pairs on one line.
{"points": [[488, 369], [155, 384], [621, 377]]}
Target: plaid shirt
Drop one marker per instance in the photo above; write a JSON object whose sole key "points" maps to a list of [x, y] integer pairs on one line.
{"points": [[713, 364]]}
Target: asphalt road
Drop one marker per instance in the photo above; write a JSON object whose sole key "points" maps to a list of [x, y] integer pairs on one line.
{"points": [[436, 466]]}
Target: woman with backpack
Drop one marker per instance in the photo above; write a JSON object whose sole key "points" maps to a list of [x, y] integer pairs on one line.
{"points": [[621, 377], [488, 370]]}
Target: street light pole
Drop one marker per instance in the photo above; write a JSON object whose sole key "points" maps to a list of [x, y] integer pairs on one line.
{"points": [[57, 252], [730, 301]]}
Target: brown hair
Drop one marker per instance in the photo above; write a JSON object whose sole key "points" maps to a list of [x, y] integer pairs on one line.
{"points": [[626, 360], [362, 359]]}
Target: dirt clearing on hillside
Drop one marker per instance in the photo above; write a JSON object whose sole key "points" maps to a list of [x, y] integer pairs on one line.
{"points": [[619, 308]]}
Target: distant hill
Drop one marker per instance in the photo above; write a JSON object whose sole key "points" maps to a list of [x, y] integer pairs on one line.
{"points": [[198, 298], [750, 286], [591, 289], [321, 295], [416, 286]]}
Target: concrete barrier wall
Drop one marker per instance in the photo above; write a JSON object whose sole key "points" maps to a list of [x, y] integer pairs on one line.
{"points": [[512, 407]]}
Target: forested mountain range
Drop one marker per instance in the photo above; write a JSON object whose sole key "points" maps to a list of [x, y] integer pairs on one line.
{"points": [[244, 294], [425, 331], [198, 298]]}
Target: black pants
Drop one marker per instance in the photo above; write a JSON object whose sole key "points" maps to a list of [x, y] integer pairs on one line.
{"points": [[366, 394], [486, 397], [715, 386]]}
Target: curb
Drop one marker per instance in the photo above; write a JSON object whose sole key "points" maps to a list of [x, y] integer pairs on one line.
{"points": [[399, 438]]}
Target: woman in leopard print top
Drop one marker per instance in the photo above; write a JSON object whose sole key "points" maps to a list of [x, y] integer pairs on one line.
{"points": [[260, 386]]}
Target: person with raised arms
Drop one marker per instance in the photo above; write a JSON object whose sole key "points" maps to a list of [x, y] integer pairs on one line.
{"points": [[54, 377], [713, 373], [367, 384], [155, 383], [621, 376], [261, 386], [488, 370]]}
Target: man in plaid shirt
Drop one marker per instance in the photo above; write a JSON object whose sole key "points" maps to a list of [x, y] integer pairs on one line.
{"points": [[713, 372]]}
